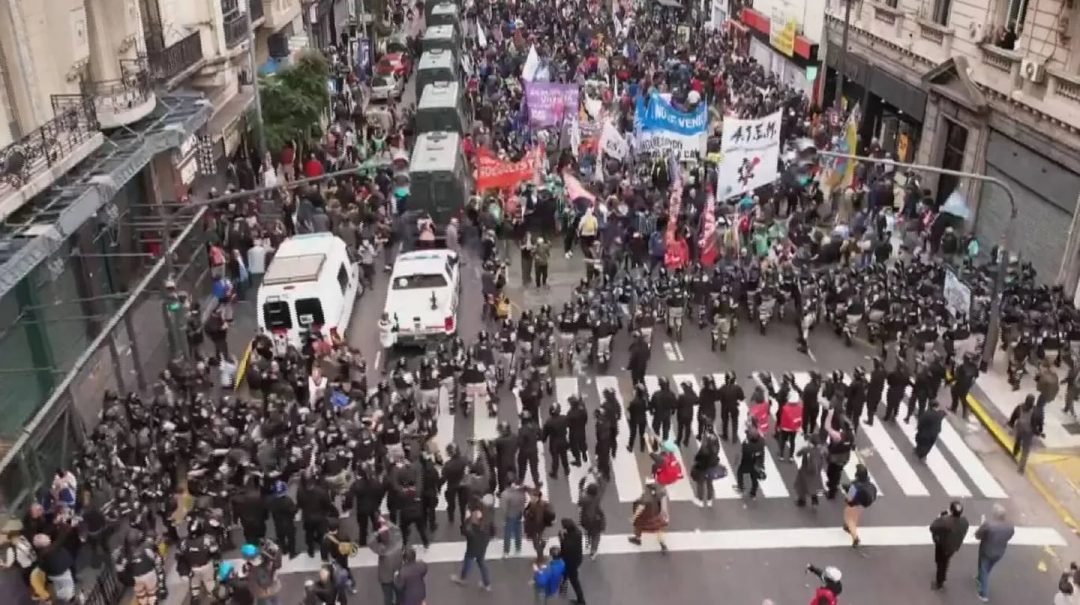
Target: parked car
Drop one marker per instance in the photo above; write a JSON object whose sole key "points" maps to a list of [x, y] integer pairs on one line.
{"points": [[386, 87], [397, 64]]}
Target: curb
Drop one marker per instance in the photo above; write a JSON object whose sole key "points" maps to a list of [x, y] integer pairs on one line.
{"points": [[241, 369], [1001, 436]]}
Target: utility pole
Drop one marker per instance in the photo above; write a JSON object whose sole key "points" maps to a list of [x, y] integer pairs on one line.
{"points": [[260, 132], [843, 55], [993, 331]]}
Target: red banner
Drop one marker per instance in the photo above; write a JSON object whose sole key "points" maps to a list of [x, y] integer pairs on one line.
{"points": [[707, 243], [495, 173]]}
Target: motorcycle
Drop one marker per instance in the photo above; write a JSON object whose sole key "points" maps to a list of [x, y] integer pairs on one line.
{"points": [[851, 326], [675, 322], [603, 352], [765, 312], [721, 331]]}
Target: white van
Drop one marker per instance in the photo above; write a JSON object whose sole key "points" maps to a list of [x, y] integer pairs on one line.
{"points": [[311, 283], [422, 300]]}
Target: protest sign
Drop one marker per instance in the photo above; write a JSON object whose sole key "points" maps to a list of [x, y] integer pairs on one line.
{"points": [[549, 102], [663, 129], [751, 151], [495, 173], [612, 142]]}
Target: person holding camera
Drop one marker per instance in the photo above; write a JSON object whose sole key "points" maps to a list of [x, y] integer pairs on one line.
{"points": [[831, 585]]}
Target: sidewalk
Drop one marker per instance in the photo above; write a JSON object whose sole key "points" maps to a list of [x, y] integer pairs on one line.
{"points": [[1054, 467]]}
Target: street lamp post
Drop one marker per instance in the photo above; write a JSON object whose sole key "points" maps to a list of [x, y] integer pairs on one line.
{"points": [[172, 307], [843, 55], [1003, 255]]}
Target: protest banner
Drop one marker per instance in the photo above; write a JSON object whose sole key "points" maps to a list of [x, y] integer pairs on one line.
{"points": [[549, 102], [495, 173], [751, 151], [612, 142], [662, 129]]}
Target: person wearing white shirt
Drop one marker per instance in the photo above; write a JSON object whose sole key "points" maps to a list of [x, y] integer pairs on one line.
{"points": [[316, 386], [256, 263]]}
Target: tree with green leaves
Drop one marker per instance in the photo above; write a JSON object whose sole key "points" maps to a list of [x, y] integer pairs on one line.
{"points": [[295, 101]]}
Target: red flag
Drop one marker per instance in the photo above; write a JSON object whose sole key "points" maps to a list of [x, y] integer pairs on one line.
{"points": [[707, 242], [495, 173]]}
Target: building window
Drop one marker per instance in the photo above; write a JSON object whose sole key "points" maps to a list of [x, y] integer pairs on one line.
{"points": [[1015, 13], [952, 158], [941, 11], [891, 3]]}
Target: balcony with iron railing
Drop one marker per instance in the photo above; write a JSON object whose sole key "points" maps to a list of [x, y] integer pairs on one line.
{"points": [[168, 63], [236, 29], [280, 13], [34, 162], [256, 12], [126, 99]]}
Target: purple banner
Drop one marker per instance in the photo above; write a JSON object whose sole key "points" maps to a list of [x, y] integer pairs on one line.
{"points": [[549, 102]]}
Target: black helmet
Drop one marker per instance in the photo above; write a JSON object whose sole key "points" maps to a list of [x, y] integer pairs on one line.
{"points": [[555, 409]]}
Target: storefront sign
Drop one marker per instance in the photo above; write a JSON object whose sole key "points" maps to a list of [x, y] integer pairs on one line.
{"points": [[751, 151]]}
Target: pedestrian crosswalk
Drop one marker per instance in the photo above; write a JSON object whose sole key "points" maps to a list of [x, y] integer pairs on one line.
{"points": [[951, 469]]}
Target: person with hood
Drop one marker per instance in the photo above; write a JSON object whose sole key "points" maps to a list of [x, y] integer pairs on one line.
{"points": [[337, 548], [927, 429], [1026, 422], [813, 459], [282, 512], [572, 548], [706, 468], [751, 461], [388, 544], [548, 577], [948, 532], [651, 514]]}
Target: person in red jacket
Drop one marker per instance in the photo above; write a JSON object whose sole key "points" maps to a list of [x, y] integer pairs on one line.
{"points": [[831, 585], [791, 413], [312, 167]]}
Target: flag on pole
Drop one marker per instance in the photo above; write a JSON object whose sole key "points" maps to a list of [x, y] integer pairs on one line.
{"points": [[707, 242], [481, 37]]}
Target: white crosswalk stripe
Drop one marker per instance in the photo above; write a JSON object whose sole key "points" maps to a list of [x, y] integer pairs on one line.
{"points": [[887, 449], [723, 488], [801, 378], [566, 387], [444, 425], [624, 468], [680, 490]]}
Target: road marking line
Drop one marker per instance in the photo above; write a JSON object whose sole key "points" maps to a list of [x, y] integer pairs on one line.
{"points": [[705, 541], [678, 351], [893, 458], [565, 387], [935, 460], [624, 465], [669, 352], [445, 434], [541, 460], [970, 462], [724, 488], [680, 490]]}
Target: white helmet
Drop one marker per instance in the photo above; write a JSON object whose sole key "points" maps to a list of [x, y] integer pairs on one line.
{"points": [[831, 574]]}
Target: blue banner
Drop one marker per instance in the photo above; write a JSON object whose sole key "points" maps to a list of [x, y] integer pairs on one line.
{"points": [[660, 127]]}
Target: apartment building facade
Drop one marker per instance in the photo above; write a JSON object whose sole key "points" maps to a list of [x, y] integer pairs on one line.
{"points": [[984, 86], [110, 112]]}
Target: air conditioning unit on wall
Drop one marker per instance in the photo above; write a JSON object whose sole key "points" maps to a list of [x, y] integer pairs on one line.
{"points": [[1033, 70]]}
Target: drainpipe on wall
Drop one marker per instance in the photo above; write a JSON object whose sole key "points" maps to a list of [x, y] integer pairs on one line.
{"points": [[22, 47]]}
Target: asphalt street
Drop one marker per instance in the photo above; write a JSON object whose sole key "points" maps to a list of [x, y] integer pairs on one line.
{"points": [[966, 466]]}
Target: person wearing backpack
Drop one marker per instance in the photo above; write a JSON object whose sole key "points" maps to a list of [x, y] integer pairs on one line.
{"points": [[860, 494]]}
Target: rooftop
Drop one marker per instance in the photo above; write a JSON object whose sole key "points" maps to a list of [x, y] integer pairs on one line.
{"points": [[439, 94], [435, 152], [436, 58]]}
